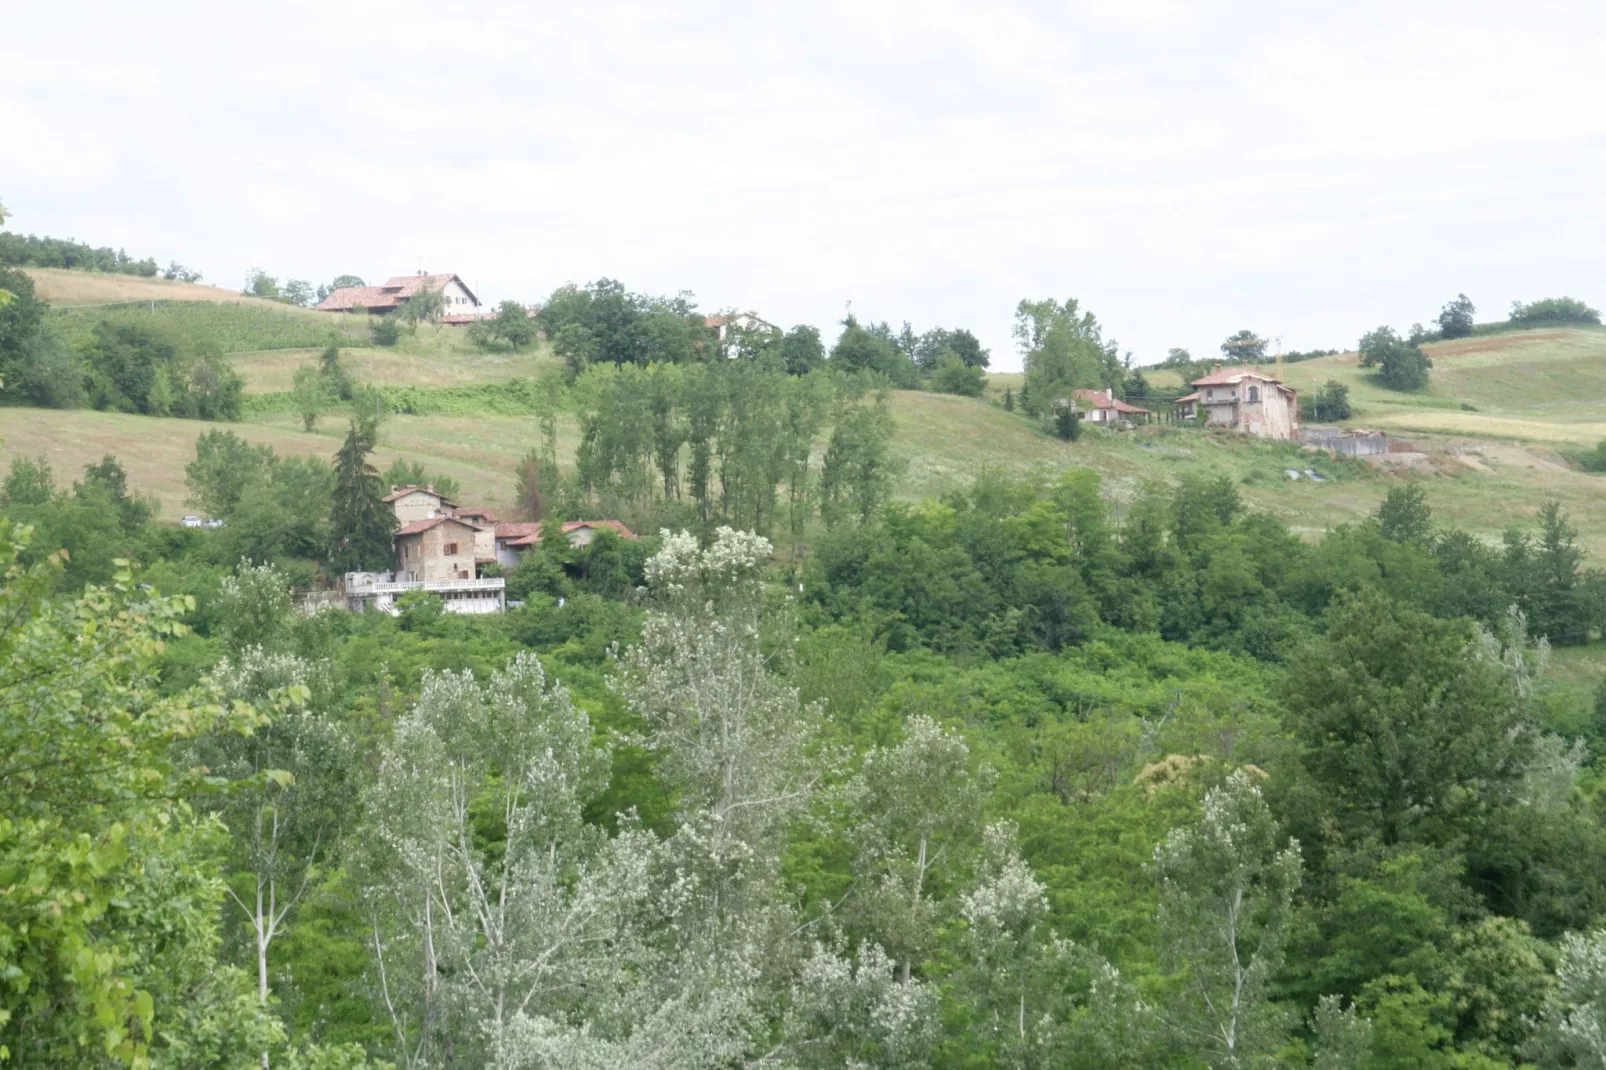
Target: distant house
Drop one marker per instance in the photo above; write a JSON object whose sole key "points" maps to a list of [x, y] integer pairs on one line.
{"points": [[1246, 400], [417, 503], [512, 540], [461, 304], [436, 549], [725, 326], [1103, 407]]}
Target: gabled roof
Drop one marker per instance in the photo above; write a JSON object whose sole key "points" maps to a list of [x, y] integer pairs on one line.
{"points": [[388, 296], [418, 527], [1107, 400], [1230, 376], [522, 535], [485, 516], [402, 492], [1187, 397]]}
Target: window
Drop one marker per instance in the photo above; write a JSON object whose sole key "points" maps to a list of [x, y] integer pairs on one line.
{"points": [[1254, 393], [451, 548]]}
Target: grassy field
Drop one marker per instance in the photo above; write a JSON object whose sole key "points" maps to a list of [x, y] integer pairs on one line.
{"points": [[429, 359], [61, 286]]}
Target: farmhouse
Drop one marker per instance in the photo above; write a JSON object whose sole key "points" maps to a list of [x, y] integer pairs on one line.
{"points": [[1103, 407], [1243, 399], [441, 548], [460, 302], [513, 539], [727, 325]]}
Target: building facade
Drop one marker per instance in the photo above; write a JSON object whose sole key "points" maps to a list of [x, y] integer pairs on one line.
{"points": [[1246, 400]]}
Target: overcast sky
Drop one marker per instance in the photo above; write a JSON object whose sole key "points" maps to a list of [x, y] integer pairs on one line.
{"points": [[1184, 169]]}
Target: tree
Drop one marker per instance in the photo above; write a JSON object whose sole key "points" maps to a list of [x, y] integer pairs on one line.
{"points": [[1401, 365], [1226, 887], [109, 920], [1245, 347], [1417, 749], [226, 468], [106, 481], [336, 381], [298, 292], [1064, 350], [386, 330], [1553, 310], [1009, 399], [1404, 515], [28, 483], [863, 349], [259, 283], [427, 304], [1329, 402], [922, 808], [953, 376], [801, 350], [856, 480], [311, 395], [1067, 423], [1573, 1029], [1456, 318], [514, 325], [22, 317], [361, 525], [340, 282]]}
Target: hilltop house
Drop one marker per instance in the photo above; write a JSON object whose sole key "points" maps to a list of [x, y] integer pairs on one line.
{"points": [[725, 326], [1243, 399], [1103, 407], [460, 303]]}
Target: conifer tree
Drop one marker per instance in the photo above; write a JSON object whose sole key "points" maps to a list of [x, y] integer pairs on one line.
{"points": [[360, 525]]}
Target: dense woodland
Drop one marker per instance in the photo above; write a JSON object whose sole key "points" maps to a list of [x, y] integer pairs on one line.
{"points": [[1040, 774], [1027, 776]]}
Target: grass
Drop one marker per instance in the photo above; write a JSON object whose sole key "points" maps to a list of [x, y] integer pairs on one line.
{"points": [[225, 327], [430, 360], [62, 286]]}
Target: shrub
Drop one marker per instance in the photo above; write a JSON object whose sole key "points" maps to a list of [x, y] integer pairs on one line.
{"points": [[135, 365], [1553, 310], [386, 331], [953, 376], [1593, 460], [1068, 423], [1331, 402]]}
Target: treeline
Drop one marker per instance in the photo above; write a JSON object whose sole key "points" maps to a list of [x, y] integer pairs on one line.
{"points": [[31, 250], [860, 823]]}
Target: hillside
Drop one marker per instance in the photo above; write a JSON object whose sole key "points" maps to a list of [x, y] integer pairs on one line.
{"points": [[61, 286], [1487, 433]]}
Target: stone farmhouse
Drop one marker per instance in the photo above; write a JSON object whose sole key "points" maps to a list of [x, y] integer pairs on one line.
{"points": [[1104, 408], [461, 304], [442, 548], [1246, 400]]}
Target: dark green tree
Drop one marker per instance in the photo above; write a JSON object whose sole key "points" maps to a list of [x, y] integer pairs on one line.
{"points": [[361, 525], [1245, 347], [1455, 319], [28, 483], [1009, 400], [226, 469], [1404, 515], [1401, 365], [801, 350]]}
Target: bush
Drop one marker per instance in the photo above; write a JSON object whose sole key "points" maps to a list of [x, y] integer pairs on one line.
{"points": [[1593, 460], [1331, 402], [385, 331], [135, 365], [31, 250], [1068, 423], [953, 376], [1553, 310]]}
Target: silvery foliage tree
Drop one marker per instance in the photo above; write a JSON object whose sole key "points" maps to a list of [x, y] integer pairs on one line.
{"points": [[1226, 885], [921, 807], [1342, 1037], [858, 1015], [733, 740], [496, 912], [299, 771], [1045, 1001], [1573, 1030]]}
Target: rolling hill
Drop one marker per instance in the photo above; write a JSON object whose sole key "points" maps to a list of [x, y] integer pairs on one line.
{"points": [[1488, 434]]}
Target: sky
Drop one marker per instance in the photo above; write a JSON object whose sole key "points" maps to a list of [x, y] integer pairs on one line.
{"points": [[1182, 169]]}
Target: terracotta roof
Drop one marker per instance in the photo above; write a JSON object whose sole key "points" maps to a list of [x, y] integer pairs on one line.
{"points": [[484, 515], [1187, 397], [520, 535], [1229, 376], [418, 527], [402, 492], [1107, 400], [517, 530], [388, 296]]}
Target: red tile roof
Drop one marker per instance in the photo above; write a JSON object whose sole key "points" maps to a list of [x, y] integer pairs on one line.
{"points": [[1229, 376], [1107, 400], [388, 296], [1187, 397], [483, 515], [525, 534]]}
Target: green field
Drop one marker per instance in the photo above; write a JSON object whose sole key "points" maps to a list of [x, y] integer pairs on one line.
{"points": [[1489, 434]]}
